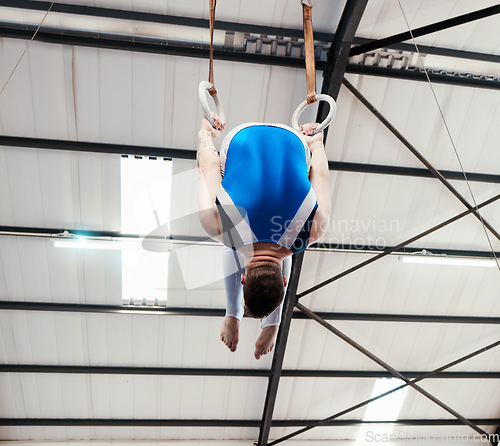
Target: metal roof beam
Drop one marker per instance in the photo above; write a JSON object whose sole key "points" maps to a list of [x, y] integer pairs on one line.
{"points": [[226, 26], [251, 373], [279, 350], [8, 305], [55, 233], [64, 36], [65, 422], [410, 172], [166, 19], [421, 76], [175, 153], [428, 29]]}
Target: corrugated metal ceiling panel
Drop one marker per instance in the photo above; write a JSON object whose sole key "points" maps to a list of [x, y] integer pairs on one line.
{"points": [[45, 188], [389, 286], [34, 270], [383, 18], [470, 113], [162, 341]]}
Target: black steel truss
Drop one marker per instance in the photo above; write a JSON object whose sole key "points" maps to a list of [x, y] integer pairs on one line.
{"points": [[357, 406], [249, 373], [219, 312], [227, 26], [66, 422], [390, 369], [176, 153], [159, 46]]}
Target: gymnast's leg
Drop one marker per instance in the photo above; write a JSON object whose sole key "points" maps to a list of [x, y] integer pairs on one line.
{"points": [[270, 324], [233, 266]]}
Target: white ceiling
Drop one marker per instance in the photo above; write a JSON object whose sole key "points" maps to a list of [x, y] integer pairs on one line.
{"points": [[120, 97]]}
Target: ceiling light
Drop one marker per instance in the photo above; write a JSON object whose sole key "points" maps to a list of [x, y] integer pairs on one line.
{"points": [[427, 257]]}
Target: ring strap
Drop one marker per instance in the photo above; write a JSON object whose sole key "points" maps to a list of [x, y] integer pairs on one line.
{"points": [[309, 53], [212, 91]]}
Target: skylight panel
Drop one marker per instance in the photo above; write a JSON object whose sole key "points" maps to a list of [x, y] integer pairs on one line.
{"points": [[145, 206]]}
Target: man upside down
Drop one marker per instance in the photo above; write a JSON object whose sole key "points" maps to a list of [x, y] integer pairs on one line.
{"points": [[265, 197]]}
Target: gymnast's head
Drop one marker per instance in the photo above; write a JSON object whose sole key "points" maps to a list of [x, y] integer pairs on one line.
{"points": [[263, 288]]}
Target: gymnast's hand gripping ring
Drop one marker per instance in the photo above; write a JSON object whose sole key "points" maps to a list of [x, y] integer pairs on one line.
{"points": [[202, 89], [325, 123]]}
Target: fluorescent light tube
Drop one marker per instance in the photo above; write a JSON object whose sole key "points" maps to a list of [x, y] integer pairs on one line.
{"points": [[445, 260]]}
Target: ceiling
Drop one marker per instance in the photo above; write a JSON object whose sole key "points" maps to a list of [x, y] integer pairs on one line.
{"points": [[102, 79]]}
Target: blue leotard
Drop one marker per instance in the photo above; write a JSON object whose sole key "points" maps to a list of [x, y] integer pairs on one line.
{"points": [[265, 195]]}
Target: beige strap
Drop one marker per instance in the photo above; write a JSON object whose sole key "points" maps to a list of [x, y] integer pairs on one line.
{"points": [[212, 91], [309, 50]]}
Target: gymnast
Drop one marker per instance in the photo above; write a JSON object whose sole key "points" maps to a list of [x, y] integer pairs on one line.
{"points": [[265, 197]]}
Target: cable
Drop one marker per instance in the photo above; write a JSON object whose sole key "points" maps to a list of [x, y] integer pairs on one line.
{"points": [[449, 133], [26, 49]]}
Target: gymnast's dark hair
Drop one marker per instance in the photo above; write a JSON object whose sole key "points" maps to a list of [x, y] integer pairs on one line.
{"points": [[263, 289]]}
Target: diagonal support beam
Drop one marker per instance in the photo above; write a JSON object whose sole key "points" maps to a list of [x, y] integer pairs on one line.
{"points": [[496, 437], [338, 57], [390, 369], [424, 30], [432, 374], [400, 246], [418, 155], [279, 353]]}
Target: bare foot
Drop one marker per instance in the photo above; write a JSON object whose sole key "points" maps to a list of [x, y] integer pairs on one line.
{"points": [[229, 333], [265, 342]]}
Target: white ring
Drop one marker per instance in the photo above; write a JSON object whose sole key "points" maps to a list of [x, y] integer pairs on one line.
{"points": [[331, 114], [202, 89]]}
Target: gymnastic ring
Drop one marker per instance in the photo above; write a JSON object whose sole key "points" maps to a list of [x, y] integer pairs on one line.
{"points": [[331, 114], [202, 89]]}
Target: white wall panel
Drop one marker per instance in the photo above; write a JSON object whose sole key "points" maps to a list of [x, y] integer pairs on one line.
{"points": [[148, 96], [24, 180], [72, 345], [87, 93], [49, 93], [55, 184], [16, 103], [16, 338], [115, 68], [11, 268], [186, 113], [34, 268]]}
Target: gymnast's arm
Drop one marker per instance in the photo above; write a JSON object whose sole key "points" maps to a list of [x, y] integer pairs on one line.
{"points": [[209, 178], [318, 176]]}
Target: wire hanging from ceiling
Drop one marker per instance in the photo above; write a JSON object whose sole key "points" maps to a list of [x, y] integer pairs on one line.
{"points": [[26, 49], [421, 59]]}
